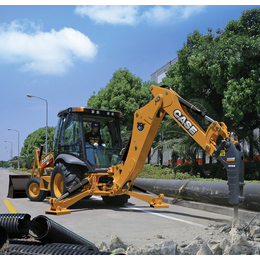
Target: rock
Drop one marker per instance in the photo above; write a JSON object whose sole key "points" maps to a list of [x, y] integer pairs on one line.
{"points": [[116, 242], [164, 248], [224, 243], [239, 246], [216, 250], [204, 250], [103, 247], [193, 247], [131, 251], [239, 240], [225, 229], [255, 231], [238, 250], [119, 251], [239, 224], [217, 226]]}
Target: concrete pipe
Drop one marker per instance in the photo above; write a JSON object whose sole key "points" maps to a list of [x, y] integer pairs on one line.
{"points": [[202, 191]]}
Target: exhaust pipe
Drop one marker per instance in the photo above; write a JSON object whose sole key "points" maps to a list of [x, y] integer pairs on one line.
{"points": [[48, 231]]}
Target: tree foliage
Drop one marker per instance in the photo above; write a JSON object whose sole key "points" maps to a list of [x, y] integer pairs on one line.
{"points": [[33, 142], [224, 71], [125, 92]]}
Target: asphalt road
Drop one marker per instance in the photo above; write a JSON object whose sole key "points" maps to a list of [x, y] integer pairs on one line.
{"points": [[136, 223]]}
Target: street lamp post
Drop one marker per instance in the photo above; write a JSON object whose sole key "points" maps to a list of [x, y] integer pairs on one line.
{"points": [[30, 96], [8, 151], [9, 129], [11, 148]]}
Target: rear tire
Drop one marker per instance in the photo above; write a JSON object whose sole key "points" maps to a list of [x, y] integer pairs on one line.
{"points": [[63, 178], [33, 191], [118, 200]]}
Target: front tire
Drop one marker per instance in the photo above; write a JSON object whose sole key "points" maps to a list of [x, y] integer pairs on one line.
{"points": [[63, 178], [33, 191]]}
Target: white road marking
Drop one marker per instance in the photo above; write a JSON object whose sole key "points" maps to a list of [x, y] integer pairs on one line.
{"points": [[165, 216], [160, 215]]}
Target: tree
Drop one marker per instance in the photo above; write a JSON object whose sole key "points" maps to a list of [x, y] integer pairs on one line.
{"points": [[125, 92], [242, 94], [224, 71], [34, 141]]}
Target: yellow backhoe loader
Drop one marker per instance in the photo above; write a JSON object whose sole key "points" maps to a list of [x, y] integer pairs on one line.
{"points": [[78, 168]]}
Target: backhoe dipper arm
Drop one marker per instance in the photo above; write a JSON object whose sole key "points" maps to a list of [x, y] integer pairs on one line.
{"points": [[145, 126]]}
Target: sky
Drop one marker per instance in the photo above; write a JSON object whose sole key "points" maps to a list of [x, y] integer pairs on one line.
{"points": [[65, 53]]}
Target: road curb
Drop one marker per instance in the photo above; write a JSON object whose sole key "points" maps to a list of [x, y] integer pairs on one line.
{"points": [[228, 211]]}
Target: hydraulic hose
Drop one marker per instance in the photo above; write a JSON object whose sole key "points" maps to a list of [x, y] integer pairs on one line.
{"points": [[48, 231], [16, 225]]}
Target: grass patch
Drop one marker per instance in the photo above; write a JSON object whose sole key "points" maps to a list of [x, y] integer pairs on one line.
{"points": [[155, 172], [22, 171]]}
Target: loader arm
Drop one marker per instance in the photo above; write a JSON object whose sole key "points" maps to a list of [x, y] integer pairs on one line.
{"points": [[145, 126]]}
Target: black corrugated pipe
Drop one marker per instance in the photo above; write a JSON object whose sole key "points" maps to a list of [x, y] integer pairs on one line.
{"points": [[202, 191], [16, 225], [48, 250], [24, 242], [69, 246], [4, 241], [17, 253], [48, 231]]}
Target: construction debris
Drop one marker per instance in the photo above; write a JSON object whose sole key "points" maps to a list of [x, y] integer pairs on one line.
{"points": [[240, 238]]}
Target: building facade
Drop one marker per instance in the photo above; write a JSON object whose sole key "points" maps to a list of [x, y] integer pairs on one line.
{"points": [[159, 74]]}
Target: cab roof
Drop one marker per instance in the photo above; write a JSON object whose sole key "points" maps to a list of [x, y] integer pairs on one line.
{"points": [[90, 111]]}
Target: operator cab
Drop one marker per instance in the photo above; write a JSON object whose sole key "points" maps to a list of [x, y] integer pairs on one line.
{"points": [[69, 141]]}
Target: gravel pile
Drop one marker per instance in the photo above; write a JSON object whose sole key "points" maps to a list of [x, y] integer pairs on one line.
{"points": [[240, 238]]}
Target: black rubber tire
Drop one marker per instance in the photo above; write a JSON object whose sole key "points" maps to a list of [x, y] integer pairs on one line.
{"points": [[118, 200], [63, 178], [33, 191]]}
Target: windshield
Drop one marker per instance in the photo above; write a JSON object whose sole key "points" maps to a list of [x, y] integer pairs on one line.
{"points": [[102, 142]]}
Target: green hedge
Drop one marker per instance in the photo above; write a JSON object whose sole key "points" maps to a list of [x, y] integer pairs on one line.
{"points": [[182, 172]]}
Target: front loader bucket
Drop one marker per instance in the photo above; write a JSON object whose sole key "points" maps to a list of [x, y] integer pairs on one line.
{"points": [[17, 186]]}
